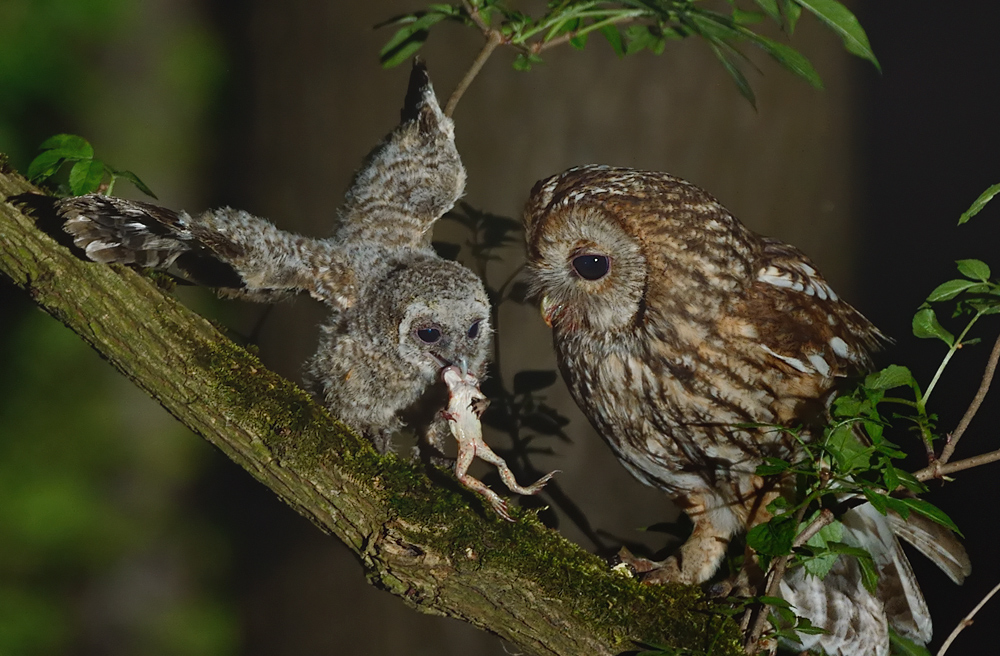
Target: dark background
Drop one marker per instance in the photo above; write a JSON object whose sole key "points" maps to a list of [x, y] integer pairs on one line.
{"points": [[121, 533]]}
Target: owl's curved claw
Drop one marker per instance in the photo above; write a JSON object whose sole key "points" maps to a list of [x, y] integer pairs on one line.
{"points": [[650, 571]]}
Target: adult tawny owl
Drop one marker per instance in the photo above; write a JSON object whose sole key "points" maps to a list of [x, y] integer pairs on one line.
{"points": [[676, 328], [400, 314]]}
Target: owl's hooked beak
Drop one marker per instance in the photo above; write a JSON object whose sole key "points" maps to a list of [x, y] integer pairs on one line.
{"points": [[550, 310], [462, 364]]}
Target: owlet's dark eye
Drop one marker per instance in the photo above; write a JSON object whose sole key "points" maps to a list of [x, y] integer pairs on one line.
{"points": [[429, 335], [591, 267], [474, 330]]}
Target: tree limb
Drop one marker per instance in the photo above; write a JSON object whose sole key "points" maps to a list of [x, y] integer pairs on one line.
{"points": [[427, 541]]}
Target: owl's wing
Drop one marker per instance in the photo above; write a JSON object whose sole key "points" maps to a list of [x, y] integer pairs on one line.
{"points": [[800, 321], [231, 250], [409, 180]]}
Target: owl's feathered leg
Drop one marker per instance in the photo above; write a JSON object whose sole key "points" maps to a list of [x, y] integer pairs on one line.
{"points": [[231, 250]]}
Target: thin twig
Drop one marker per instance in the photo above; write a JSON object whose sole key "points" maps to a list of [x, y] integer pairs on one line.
{"points": [[823, 519], [539, 46], [476, 18], [984, 387], [778, 572], [937, 470], [967, 620], [493, 39]]}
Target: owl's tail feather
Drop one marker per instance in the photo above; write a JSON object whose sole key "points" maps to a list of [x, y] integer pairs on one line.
{"points": [[935, 542], [905, 608], [857, 621]]}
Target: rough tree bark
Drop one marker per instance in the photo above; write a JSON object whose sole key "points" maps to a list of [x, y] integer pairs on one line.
{"points": [[418, 534]]}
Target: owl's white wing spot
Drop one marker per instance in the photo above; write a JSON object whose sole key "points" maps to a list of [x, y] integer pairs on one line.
{"points": [[97, 246], [795, 363], [840, 347], [821, 366], [799, 277], [779, 278]]}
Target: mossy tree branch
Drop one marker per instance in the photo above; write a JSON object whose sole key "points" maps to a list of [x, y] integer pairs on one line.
{"points": [[428, 542]]}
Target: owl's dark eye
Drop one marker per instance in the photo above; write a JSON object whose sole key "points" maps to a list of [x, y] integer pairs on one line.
{"points": [[430, 335], [474, 330], [591, 267]]}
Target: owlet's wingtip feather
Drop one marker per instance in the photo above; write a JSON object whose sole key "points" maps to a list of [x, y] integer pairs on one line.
{"points": [[418, 92]]}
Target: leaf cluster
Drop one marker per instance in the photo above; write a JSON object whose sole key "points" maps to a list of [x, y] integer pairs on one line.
{"points": [[855, 462], [87, 174], [631, 26]]}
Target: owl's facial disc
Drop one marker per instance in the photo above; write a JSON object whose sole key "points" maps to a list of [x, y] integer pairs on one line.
{"points": [[432, 343], [587, 269]]}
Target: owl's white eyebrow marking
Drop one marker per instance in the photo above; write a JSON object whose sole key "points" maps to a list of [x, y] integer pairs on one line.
{"points": [[787, 359]]}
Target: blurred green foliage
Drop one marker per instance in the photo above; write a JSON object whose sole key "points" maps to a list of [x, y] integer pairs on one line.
{"points": [[96, 544], [101, 547], [44, 63]]}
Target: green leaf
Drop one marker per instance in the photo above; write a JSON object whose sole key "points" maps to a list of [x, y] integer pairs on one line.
{"points": [[792, 13], [85, 177], [614, 37], [524, 62], [975, 269], [774, 602], [822, 561], [931, 512], [773, 538], [409, 38], [639, 37], [134, 179], [979, 203], [788, 57], [901, 646], [890, 476], [869, 574], [926, 325], [846, 406], [783, 12], [806, 627], [844, 446], [735, 73], [892, 376], [772, 466], [877, 500], [910, 482], [949, 290], [70, 145], [744, 17], [840, 19], [45, 165]]}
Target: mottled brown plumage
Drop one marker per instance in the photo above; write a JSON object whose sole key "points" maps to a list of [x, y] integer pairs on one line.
{"points": [[676, 328]]}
